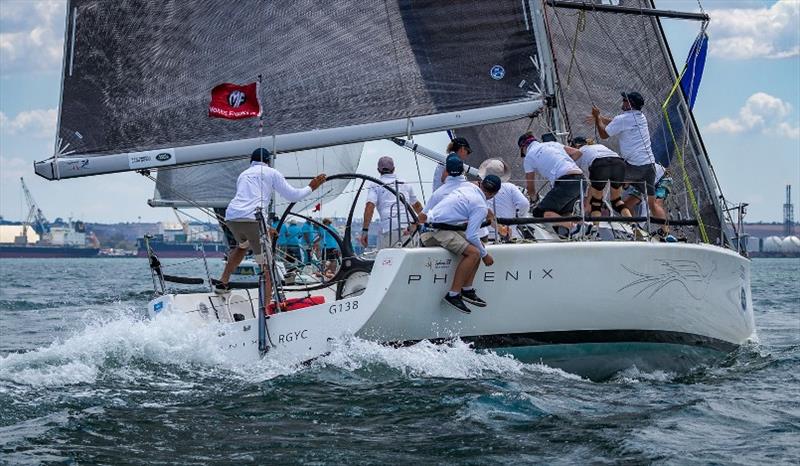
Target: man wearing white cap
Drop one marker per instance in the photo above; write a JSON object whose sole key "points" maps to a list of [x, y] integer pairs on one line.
{"points": [[509, 202], [392, 212]]}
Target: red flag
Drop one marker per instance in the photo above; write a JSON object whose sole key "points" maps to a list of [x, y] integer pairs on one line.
{"points": [[317, 207], [234, 102]]}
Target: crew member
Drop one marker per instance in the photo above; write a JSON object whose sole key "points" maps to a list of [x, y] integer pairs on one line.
{"points": [[465, 204], [459, 146], [633, 197], [454, 168], [509, 202], [391, 210], [254, 189], [634, 144], [555, 162], [601, 166]]}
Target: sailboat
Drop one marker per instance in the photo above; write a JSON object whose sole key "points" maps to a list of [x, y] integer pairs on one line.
{"points": [[135, 94]]}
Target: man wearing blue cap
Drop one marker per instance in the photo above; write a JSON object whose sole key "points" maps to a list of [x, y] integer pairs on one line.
{"points": [[634, 146], [454, 167], [464, 205], [254, 189]]}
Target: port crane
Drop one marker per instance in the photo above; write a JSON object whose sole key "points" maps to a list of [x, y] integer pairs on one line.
{"points": [[35, 218]]}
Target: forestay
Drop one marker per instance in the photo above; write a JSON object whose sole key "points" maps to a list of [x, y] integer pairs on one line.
{"points": [[138, 74]]}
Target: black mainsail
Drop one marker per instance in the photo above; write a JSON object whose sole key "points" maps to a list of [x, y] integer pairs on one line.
{"points": [[137, 76]]}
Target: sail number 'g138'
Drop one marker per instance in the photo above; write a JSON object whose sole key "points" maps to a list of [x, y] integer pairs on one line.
{"points": [[343, 307]]}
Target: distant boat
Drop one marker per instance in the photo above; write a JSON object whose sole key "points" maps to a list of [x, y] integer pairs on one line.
{"points": [[179, 249], [36, 237]]}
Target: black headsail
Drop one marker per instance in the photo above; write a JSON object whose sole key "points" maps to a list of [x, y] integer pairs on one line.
{"points": [[138, 76]]}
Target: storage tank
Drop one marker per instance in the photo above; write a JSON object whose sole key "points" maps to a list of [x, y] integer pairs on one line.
{"points": [[772, 244], [790, 245]]}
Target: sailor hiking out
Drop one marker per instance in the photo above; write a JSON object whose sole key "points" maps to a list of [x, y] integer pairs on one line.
{"points": [[601, 166], [464, 205], [395, 221], [555, 162], [254, 189], [634, 144]]}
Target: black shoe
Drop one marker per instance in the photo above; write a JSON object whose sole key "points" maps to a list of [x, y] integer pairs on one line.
{"points": [[472, 298], [457, 303]]}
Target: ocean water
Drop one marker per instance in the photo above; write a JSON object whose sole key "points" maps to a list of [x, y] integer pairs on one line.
{"points": [[85, 378]]}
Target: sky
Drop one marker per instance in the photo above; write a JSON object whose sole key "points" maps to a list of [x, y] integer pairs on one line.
{"points": [[747, 108]]}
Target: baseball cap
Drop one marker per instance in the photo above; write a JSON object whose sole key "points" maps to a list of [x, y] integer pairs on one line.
{"points": [[385, 164], [260, 155], [454, 165], [461, 142], [525, 139], [491, 183], [636, 99]]}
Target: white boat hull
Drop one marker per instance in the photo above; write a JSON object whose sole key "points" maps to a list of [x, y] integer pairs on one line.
{"points": [[589, 307]]}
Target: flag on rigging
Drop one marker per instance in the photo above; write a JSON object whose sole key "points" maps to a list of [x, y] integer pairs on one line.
{"points": [[693, 72], [234, 102]]}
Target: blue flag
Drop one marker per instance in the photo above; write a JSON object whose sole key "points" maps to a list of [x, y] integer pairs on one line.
{"points": [[695, 63]]}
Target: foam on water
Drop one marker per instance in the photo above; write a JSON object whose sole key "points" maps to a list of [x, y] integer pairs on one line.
{"points": [[115, 340]]}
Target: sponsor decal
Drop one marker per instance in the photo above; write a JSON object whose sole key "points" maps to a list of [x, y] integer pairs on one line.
{"points": [[387, 262], [497, 72], [158, 307], [153, 158], [438, 263], [80, 164]]}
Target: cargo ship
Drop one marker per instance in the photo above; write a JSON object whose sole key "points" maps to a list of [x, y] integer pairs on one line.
{"points": [[36, 237], [184, 239], [59, 239], [166, 249]]}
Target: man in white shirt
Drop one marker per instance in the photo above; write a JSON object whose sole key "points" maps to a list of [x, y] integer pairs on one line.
{"points": [[634, 144], [459, 146], [254, 189], [454, 168], [509, 202], [392, 212], [465, 204], [555, 162], [601, 166]]}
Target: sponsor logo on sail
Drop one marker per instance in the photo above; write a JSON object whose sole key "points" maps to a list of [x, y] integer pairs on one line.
{"points": [[497, 72]]}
